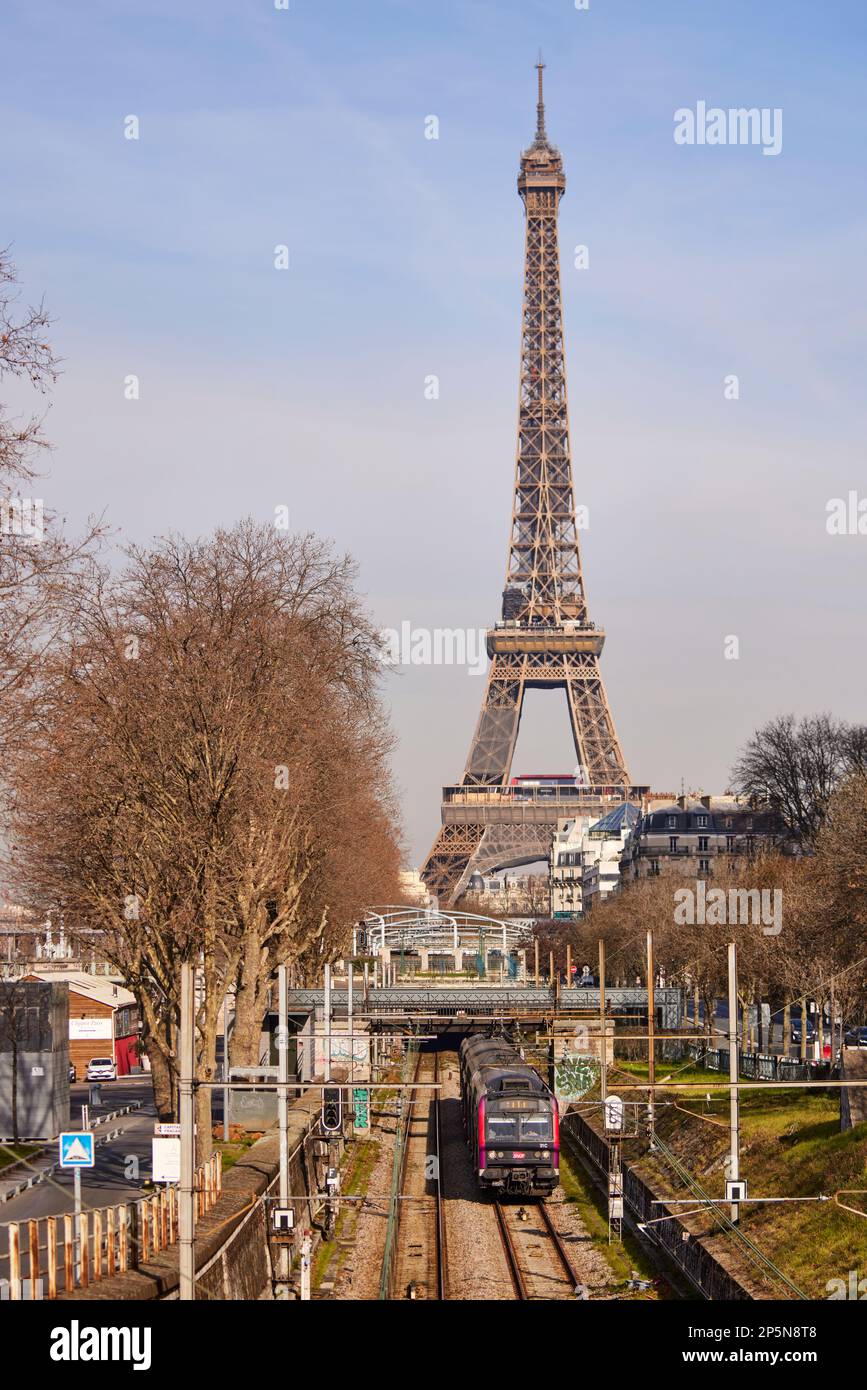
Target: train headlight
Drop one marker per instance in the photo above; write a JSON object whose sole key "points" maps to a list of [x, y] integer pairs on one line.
{"points": [[492, 1153], [545, 1154]]}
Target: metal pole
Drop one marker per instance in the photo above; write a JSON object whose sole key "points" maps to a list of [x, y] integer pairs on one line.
{"points": [[820, 1026], [186, 1204], [651, 1037], [833, 1027], [536, 960], [328, 1023], [603, 1077], [803, 1028], [734, 1106], [226, 1066], [283, 1103], [351, 1031], [76, 1177]]}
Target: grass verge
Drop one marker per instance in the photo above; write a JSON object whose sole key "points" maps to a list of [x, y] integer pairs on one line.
{"points": [[12, 1153]]}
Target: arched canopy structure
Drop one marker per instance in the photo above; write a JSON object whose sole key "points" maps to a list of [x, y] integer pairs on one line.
{"points": [[395, 927]]}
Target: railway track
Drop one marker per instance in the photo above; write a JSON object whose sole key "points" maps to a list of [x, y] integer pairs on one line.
{"points": [[420, 1270], [538, 1262]]}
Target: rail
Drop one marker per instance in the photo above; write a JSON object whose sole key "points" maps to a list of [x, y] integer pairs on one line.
{"points": [[511, 1255], [404, 1111], [510, 1246], [418, 1228], [442, 1284]]}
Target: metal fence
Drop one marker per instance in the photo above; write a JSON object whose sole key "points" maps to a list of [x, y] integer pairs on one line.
{"points": [[760, 1066], [52, 1255]]}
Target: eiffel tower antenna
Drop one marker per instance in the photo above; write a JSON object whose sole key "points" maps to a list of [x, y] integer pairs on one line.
{"points": [[541, 136], [545, 638]]}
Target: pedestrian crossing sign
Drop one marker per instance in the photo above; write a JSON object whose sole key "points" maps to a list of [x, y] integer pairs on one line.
{"points": [[76, 1149]]}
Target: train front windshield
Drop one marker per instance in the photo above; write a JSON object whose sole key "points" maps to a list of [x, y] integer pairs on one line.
{"points": [[504, 1128], [536, 1127]]}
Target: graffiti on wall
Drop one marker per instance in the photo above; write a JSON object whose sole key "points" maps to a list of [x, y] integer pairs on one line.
{"points": [[575, 1073]]}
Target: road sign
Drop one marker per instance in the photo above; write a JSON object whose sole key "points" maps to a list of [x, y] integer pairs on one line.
{"points": [[76, 1150], [613, 1110], [165, 1158], [168, 1131]]}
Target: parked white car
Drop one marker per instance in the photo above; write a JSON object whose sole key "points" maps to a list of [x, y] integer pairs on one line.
{"points": [[102, 1069]]}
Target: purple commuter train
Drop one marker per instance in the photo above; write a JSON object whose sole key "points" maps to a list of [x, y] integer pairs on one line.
{"points": [[511, 1119]]}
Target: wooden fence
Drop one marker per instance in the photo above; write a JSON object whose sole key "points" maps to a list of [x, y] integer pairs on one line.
{"points": [[48, 1256]]}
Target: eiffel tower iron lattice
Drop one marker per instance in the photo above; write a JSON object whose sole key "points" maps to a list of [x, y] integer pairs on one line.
{"points": [[545, 638]]}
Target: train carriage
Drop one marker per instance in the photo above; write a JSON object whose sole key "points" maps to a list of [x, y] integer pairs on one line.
{"points": [[511, 1119]]}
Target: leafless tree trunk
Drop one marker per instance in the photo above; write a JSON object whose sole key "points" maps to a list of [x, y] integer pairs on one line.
{"points": [[208, 779]]}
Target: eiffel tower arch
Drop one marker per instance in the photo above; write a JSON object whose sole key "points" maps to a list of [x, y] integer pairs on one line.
{"points": [[545, 638]]}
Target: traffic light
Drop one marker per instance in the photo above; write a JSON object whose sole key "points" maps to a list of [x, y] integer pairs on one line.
{"points": [[332, 1109]]}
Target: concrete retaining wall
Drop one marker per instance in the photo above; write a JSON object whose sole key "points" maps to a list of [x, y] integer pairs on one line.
{"points": [[694, 1254]]}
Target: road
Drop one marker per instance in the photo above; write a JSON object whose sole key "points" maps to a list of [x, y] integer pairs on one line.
{"points": [[121, 1166]]}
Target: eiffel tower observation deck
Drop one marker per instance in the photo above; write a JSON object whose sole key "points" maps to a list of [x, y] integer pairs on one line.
{"points": [[545, 638]]}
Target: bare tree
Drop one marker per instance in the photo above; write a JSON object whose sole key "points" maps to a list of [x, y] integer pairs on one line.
{"points": [[840, 872], [42, 574], [794, 767], [200, 728]]}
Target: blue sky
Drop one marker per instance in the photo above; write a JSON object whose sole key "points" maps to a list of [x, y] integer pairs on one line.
{"points": [[260, 127]]}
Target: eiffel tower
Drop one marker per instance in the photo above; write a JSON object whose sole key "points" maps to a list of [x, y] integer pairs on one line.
{"points": [[545, 638]]}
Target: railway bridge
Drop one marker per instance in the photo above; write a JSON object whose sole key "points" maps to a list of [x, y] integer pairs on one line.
{"points": [[484, 1003]]}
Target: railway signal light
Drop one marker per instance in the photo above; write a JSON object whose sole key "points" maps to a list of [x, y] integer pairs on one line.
{"points": [[332, 1109], [282, 1220]]}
